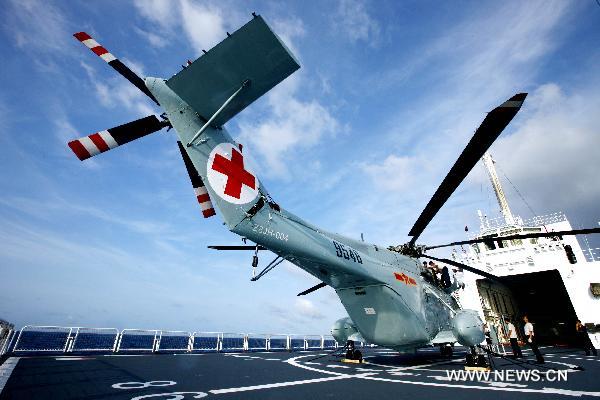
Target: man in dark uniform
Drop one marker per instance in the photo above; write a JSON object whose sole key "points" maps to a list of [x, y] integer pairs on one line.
{"points": [[434, 273], [446, 282], [531, 340], [584, 339]]}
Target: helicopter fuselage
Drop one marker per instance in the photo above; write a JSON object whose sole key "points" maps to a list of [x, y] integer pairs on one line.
{"points": [[383, 291], [386, 297]]}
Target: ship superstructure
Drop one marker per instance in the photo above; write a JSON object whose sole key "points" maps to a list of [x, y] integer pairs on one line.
{"points": [[548, 278]]}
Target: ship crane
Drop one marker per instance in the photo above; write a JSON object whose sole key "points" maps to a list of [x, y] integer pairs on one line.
{"points": [[488, 162]]}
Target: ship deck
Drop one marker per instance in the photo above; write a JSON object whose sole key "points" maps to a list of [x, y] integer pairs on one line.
{"points": [[298, 375]]}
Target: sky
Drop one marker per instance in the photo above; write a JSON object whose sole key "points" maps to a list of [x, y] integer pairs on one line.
{"points": [[356, 141]]}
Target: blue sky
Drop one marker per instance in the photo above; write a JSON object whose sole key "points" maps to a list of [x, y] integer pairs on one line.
{"points": [[357, 140]]}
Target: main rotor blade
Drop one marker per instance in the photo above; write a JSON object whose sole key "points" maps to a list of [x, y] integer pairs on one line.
{"points": [[491, 127], [249, 247], [208, 210], [465, 267], [524, 236], [100, 142], [114, 62], [312, 289]]}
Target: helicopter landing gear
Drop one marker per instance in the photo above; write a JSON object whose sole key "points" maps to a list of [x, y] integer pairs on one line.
{"points": [[352, 355], [446, 350], [476, 361]]}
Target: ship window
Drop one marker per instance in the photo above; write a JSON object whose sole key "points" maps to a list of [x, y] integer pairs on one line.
{"points": [[517, 242], [533, 241]]}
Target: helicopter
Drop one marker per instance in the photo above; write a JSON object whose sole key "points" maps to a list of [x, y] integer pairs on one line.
{"points": [[389, 299]]}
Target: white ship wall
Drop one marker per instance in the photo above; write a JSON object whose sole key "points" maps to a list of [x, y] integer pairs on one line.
{"points": [[546, 255]]}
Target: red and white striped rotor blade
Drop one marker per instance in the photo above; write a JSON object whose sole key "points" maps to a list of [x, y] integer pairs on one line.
{"points": [[100, 142], [114, 62], [208, 210]]}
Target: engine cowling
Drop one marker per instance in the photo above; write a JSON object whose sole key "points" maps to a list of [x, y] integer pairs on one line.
{"points": [[343, 329], [467, 328]]}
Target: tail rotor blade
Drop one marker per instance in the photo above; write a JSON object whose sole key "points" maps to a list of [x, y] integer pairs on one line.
{"points": [[491, 127], [114, 62], [208, 210], [100, 142]]}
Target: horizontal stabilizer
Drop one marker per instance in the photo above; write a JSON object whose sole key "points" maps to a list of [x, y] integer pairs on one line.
{"points": [[208, 210], [252, 53], [100, 142]]}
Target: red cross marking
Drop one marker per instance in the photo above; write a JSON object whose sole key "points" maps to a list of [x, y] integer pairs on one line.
{"points": [[236, 174]]}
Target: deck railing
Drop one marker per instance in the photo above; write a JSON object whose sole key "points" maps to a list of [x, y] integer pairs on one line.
{"points": [[60, 339]]}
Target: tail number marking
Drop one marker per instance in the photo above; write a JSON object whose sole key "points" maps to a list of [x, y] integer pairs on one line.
{"points": [[347, 253], [270, 232]]}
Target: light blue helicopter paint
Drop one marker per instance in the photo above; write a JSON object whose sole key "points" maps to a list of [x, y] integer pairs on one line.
{"points": [[388, 311]]}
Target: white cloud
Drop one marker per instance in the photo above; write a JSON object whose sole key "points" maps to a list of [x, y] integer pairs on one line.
{"points": [[353, 20], [394, 173], [469, 70], [203, 23], [156, 39], [288, 30], [36, 25], [159, 11], [117, 92], [307, 309], [552, 157], [290, 125], [113, 93]]}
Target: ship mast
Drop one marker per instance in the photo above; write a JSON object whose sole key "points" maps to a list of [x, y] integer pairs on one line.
{"points": [[504, 208]]}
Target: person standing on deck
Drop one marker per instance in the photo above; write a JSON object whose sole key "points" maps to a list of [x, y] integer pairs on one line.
{"points": [[531, 340], [584, 339], [514, 340]]}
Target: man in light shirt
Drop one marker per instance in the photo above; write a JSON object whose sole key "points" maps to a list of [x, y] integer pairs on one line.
{"points": [[514, 340], [530, 338], [459, 275]]}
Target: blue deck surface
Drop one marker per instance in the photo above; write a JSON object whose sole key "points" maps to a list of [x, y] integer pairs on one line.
{"points": [[295, 375]]}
